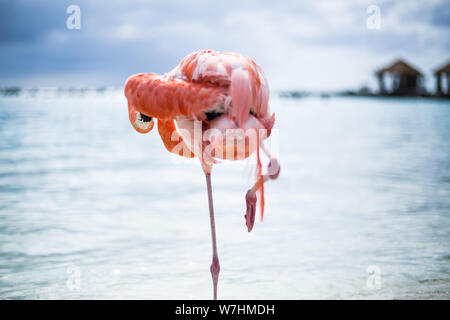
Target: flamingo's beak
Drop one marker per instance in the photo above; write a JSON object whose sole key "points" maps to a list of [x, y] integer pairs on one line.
{"points": [[143, 123]]}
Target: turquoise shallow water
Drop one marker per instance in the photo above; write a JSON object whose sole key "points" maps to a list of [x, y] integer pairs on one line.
{"points": [[91, 209]]}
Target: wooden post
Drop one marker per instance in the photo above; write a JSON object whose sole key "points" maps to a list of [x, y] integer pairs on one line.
{"points": [[438, 84], [381, 83], [448, 84]]}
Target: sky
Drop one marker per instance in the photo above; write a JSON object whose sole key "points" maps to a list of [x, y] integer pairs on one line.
{"points": [[303, 45]]}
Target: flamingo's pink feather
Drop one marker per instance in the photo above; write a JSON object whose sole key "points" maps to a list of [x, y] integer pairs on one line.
{"points": [[241, 95], [202, 80]]}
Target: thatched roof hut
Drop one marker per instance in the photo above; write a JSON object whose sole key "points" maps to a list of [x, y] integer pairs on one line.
{"points": [[406, 79]]}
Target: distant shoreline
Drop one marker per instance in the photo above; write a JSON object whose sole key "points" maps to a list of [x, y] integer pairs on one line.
{"points": [[287, 94], [348, 93]]}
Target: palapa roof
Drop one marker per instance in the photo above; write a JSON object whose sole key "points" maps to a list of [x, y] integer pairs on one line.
{"points": [[400, 67], [444, 69]]}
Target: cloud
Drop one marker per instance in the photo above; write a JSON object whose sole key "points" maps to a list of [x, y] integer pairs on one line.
{"points": [[28, 21], [307, 45]]}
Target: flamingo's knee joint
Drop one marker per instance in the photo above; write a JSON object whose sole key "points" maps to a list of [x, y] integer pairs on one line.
{"points": [[215, 268]]}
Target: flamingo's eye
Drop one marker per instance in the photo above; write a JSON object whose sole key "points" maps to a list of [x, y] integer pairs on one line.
{"points": [[252, 113]]}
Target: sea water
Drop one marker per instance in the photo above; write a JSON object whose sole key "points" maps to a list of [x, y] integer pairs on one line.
{"points": [[91, 209]]}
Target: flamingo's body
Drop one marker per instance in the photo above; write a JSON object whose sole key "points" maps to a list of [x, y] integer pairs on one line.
{"points": [[225, 96]]}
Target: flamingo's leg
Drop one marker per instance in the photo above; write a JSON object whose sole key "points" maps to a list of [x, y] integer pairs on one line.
{"points": [[215, 266]]}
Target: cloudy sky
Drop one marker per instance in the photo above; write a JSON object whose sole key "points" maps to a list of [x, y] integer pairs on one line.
{"points": [[308, 45]]}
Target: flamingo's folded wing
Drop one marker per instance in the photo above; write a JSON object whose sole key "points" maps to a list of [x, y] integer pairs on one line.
{"points": [[248, 85]]}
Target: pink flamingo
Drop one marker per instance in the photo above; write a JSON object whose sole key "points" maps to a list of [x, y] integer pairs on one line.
{"points": [[225, 97]]}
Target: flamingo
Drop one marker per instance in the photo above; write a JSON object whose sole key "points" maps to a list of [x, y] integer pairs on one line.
{"points": [[213, 105]]}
